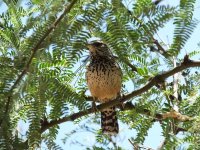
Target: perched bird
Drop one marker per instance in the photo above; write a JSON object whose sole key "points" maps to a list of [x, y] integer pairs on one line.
{"points": [[104, 80]]}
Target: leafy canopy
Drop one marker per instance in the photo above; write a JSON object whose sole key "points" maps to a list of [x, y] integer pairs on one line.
{"points": [[43, 58]]}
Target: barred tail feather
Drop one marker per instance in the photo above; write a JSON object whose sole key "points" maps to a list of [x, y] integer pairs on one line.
{"points": [[109, 122]]}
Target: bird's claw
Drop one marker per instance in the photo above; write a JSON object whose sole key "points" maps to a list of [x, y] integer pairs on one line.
{"points": [[94, 107]]}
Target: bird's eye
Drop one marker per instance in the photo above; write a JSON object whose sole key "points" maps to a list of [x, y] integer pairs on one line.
{"points": [[97, 44]]}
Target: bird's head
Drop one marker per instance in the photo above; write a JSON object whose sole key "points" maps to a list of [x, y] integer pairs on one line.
{"points": [[98, 48]]}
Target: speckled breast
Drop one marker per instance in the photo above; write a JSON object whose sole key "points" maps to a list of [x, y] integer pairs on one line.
{"points": [[104, 80]]}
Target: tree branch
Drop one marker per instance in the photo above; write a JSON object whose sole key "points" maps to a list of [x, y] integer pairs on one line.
{"points": [[67, 8], [158, 116], [138, 147], [161, 50], [133, 68], [187, 63], [156, 2]]}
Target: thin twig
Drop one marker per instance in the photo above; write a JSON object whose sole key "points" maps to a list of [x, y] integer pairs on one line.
{"points": [[158, 116], [176, 77], [138, 147], [161, 50], [156, 2], [133, 68]]}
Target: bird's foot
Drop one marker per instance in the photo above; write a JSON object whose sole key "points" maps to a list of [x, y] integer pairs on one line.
{"points": [[121, 106], [94, 107]]}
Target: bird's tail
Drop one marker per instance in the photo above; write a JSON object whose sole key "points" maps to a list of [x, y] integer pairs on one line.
{"points": [[109, 122]]}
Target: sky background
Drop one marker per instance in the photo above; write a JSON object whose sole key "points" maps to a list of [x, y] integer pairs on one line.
{"points": [[154, 138]]}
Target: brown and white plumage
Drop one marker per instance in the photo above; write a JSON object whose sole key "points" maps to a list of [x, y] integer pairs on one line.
{"points": [[104, 79]]}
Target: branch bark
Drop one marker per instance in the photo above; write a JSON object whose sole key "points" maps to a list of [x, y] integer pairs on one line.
{"points": [[187, 63], [161, 50], [156, 2]]}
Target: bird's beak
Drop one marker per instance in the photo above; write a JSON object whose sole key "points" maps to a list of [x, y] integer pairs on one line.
{"points": [[91, 47]]}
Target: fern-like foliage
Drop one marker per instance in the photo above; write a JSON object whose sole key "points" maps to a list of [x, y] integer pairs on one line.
{"points": [[185, 24], [43, 60]]}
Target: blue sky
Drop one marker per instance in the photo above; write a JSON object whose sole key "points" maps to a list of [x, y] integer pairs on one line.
{"points": [[154, 137]]}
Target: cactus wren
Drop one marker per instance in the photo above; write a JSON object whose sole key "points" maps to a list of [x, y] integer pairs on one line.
{"points": [[104, 79]]}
